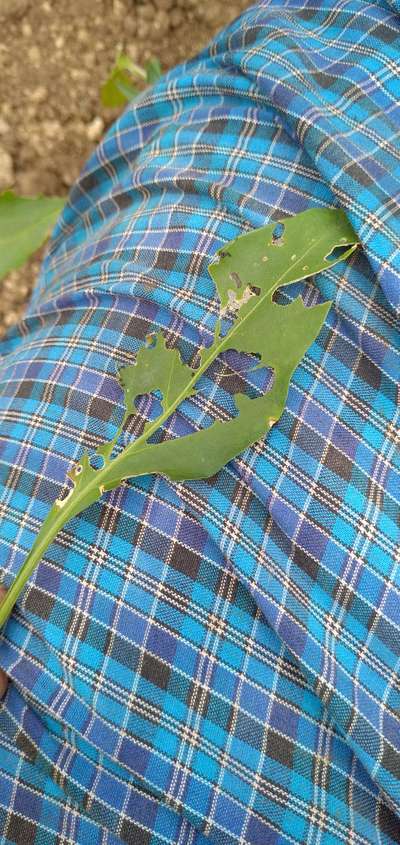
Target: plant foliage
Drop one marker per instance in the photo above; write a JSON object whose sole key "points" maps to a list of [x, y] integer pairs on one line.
{"points": [[127, 79], [25, 223], [247, 272]]}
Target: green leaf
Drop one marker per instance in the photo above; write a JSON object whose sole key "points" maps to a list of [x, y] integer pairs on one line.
{"points": [[118, 88], [25, 223], [246, 272], [153, 71]]}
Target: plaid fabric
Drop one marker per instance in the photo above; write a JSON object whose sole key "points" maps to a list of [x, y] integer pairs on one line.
{"points": [[215, 661]]}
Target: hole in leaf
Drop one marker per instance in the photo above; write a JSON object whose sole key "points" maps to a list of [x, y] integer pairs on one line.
{"points": [[277, 234], [231, 373], [149, 405], [96, 461], [235, 302], [285, 294], [336, 253], [219, 256], [148, 408], [240, 372], [256, 290], [234, 277], [65, 494], [151, 339], [124, 439]]}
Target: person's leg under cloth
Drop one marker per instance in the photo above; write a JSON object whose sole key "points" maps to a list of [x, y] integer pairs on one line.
{"points": [[214, 661]]}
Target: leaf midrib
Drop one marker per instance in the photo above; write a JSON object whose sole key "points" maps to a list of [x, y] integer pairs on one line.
{"points": [[100, 477], [203, 367]]}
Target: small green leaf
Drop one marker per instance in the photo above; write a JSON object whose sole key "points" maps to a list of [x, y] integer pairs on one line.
{"points": [[247, 272], [153, 71], [125, 63], [119, 88], [25, 223]]}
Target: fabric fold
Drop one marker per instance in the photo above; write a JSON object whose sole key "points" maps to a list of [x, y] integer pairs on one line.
{"points": [[226, 650]]}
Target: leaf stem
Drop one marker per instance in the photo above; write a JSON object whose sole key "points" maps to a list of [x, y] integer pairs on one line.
{"points": [[109, 475], [43, 540]]}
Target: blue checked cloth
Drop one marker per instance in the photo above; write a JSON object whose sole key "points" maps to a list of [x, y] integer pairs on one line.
{"points": [[215, 661]]}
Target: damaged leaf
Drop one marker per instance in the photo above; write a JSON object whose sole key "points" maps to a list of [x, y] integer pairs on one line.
{"points": [[247, 272]]}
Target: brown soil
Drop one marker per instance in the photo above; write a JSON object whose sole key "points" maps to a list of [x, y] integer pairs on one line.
{"points": [[54, 56]]}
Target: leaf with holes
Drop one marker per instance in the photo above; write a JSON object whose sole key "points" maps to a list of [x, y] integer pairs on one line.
{"points": [[246, 272]]}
